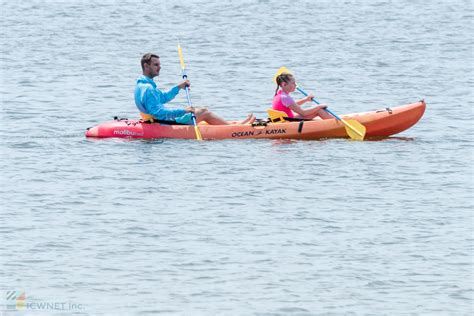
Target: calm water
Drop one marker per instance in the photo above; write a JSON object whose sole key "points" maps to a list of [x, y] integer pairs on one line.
{"points": [[114, 227]]}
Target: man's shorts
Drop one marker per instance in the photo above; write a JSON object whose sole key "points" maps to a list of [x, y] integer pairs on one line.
{"points": [[185, 119]]}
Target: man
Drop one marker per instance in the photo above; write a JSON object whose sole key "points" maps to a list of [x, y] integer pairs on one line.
{"points": [[151, 101]]}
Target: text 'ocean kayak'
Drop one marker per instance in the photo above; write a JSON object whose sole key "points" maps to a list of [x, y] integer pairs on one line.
{"points": [[379, 123]]}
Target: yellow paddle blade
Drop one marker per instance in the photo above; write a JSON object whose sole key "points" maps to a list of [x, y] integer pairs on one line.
{"points": [[276, 116], [354, 129], [198, 133], [181, 59], [280, 71]]}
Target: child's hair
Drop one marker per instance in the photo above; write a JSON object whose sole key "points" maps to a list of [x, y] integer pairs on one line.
{"points": [[283, 77]]}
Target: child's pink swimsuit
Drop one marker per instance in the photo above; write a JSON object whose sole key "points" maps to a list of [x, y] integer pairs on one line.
{"points": [[282, 101]]}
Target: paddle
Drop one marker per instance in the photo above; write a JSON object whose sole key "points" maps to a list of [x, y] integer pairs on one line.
{"points": [[354, 129], [185, 76]]}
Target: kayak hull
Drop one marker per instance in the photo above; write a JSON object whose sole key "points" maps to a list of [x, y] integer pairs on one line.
{"points": [[379, 123]]}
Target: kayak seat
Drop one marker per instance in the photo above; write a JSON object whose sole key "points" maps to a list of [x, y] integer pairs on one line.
{"points": [[276, 116], [149, 119], [280, 117]]}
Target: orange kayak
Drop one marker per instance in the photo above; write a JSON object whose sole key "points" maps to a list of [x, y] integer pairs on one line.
{"points": [[379, 123]]}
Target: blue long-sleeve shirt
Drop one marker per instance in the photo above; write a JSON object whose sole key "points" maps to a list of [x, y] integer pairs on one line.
{"points": [[151, 100]]}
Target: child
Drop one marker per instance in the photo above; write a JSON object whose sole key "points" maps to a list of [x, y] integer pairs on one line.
{"points": [[283, 102]]}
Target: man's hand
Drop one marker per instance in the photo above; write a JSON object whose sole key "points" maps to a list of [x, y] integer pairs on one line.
{"points": [[190, 109], [184, 84]]}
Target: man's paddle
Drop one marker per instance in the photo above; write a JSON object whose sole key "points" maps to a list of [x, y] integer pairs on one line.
{"points": [[185, 76], [354, 129]]}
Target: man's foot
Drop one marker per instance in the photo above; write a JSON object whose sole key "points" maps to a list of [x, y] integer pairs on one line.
{"points": [[249, 119]]}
